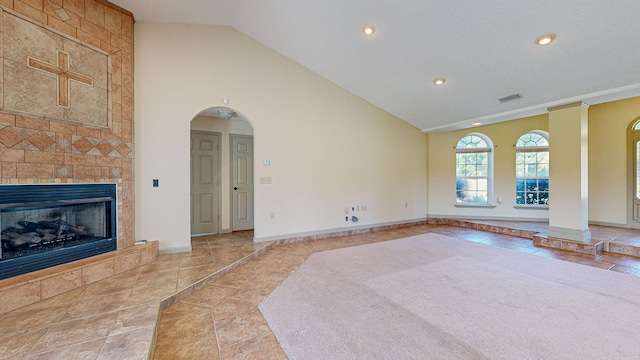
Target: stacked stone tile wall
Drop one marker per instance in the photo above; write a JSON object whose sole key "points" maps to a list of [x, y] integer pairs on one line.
{"points": [[37, 150]]}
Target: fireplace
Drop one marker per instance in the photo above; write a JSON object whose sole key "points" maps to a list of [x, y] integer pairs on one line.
{"points": [[48, 225]]}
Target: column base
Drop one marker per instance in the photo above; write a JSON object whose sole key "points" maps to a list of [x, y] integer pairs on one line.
{"points": [[570, 234]]}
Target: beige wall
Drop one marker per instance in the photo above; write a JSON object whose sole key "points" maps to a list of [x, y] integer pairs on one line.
{"points": [[328, 148], [608, 161], [442, 171]]}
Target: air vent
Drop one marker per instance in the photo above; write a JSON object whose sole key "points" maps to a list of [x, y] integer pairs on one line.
{"points": [[510, 98]]}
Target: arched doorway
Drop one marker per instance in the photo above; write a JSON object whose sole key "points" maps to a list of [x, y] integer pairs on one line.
{"points": [[633, 208], [221, 172]]}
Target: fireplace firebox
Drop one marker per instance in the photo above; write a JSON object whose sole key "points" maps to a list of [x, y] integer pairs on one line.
{"points": [[48, 225]]}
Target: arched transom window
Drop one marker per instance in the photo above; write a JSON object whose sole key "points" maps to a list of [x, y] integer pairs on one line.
{"points": [[532, 169], [474, 171]]}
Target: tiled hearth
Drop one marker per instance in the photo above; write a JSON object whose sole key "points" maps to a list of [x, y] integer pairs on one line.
{"points": [[23, 290], [115, 311]]}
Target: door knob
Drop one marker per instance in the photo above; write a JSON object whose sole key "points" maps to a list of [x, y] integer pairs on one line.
{"points": [[235, 188]]}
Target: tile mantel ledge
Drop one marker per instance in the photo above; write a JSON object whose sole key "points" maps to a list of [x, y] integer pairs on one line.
{"points": [[26, 289]]}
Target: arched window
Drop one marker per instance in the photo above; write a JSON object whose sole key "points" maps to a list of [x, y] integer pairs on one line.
{"points": [[474, 170], [532, 169]]}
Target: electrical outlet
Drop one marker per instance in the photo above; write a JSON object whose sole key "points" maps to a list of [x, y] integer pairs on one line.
{"points": [[346, 218], [364, 207]]}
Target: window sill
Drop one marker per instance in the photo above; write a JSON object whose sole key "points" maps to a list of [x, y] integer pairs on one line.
{"points": [[487, 206], [532, 207]]}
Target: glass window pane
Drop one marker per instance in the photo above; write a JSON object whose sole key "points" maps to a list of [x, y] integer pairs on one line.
{"points": [[519, 185], [530, 158], [482, 184], [543, 185], [472, 184], [483, 158], [519, 158], [531, 184], [542, 157], [470, 170], [543, 198], [532, 198], [482, 170], [519, 197], [543, 170], [481, 197], [530, 170], [460, 170], [520, 170], [470, 158]]}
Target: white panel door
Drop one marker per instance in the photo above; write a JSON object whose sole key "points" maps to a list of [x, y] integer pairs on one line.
{"points": [[241, 182], [205, 182]]}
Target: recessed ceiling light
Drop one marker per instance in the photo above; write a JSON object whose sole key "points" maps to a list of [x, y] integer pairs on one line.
{"points": [[545, 39], [439, 81], [368, 29], [476, 124]]}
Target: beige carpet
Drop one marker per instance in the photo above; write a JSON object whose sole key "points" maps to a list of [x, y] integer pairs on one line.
{"points": [[436, 297]]}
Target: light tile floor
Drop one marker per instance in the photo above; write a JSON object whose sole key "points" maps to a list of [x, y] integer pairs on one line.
{"points": [[222, 320], [115, 318]]}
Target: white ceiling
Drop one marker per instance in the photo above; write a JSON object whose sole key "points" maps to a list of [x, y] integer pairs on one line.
{"points": [[485, 50]]}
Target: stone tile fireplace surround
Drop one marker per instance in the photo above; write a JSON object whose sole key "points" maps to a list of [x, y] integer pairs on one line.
{"points": [[34, 149]]}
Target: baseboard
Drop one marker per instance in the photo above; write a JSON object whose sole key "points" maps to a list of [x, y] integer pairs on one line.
{"points": [[497, 218], [175, 250], [311, 235], [609, 224]]}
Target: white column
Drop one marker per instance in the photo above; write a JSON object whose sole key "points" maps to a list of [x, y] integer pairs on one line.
{"points": [[569, 172]]}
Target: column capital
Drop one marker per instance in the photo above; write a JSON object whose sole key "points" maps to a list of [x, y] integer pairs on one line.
{"points": [[570, 105]]}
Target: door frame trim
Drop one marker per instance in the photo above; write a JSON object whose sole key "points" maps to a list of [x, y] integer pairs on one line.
{"points": [[631, 174], [218, 187]]}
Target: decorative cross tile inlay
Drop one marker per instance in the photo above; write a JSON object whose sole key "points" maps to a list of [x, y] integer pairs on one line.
{"points": [[61, 69]]}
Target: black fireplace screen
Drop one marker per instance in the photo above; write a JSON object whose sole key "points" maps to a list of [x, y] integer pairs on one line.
{"points": [[48, 225]]}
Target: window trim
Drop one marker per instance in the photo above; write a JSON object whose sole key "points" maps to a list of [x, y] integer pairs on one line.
{"points": [[528, 149], [489, 150]]}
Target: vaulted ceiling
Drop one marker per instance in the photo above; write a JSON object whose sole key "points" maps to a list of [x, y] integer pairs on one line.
{"points": [[485, 50]]}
